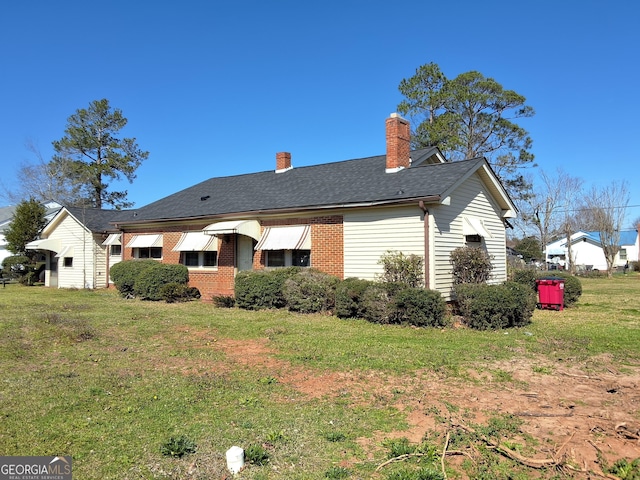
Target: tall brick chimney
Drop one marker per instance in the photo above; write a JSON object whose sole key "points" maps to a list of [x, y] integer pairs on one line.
{"points": [[283, 162], [398, 143]]}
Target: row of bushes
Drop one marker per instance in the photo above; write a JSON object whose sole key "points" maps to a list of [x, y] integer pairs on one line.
{"points": [[152, 280], [311, 291]]}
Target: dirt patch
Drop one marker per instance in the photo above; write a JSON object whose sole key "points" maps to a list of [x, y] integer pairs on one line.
{"points": [[576, 415]]}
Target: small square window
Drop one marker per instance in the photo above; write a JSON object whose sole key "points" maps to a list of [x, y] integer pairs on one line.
{"points": [[275, 258], [115, 250], [68, 261]]}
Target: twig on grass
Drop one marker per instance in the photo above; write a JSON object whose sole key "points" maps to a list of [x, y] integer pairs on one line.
{"points": [[444, 454]]}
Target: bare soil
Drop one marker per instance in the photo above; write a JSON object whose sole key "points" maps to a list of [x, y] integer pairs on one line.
{"points": [[580, 416]]}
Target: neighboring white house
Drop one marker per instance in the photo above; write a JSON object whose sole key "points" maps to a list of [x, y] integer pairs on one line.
{"points": [[77, 244], [587, 253]]}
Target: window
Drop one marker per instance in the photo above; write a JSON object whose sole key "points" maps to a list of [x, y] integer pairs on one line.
{"points": [[199, 259], [151, 252], [115, 250], [623, 254], [68, 262], [288, 258]]}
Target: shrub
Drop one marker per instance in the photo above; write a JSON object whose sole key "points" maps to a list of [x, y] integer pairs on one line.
{"points": [[420, 307], [401, 268], [377, 304], [525, 276], [124, 274], [262, 289], [470, 265], [150, 281], [572, 286], [178, 292], [349, 297], [486, 307], [310, 291], [223, 301], [256, 455]]}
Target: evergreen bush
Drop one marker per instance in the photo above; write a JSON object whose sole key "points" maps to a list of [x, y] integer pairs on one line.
{"points": [[173, 292], [150, 281], [525, 276], [349, 297], [400, 268], [420, 307], [377, 304], [255, 290], [485, 307], [310, 291], [124, 274]]}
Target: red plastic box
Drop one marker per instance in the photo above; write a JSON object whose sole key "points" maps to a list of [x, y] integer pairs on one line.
{"points": [[550, 293]]}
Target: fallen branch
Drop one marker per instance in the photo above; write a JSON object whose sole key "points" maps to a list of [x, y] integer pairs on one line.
{"points": [[444, 454], [405, 456], [535, 414], [529, 462]]}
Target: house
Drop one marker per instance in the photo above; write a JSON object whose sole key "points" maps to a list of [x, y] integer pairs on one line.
{"points": [[587, 253], [6, 217], [79, 245], [338, 217]]}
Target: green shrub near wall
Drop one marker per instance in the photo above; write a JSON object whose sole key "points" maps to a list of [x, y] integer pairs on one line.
{"points": [[124, 274], [420, 307], [255, 290], [148, 285], [349, 297], [310, 291], [485, 307]]}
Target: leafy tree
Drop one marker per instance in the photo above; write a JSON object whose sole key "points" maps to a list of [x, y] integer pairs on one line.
{"points": [[529, 248], [92, 154], [467, 117], [28, 220]]}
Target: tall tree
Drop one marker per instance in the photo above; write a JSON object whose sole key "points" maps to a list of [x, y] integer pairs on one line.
{"points": [[93, 154], [467, 117], [28, 219], [605, 209]]}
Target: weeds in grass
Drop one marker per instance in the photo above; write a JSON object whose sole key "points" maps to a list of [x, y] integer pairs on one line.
{"points": [[335, 436], [337, 473], [178, 447], [256, 455]]}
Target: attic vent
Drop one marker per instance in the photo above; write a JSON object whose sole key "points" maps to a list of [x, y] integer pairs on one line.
{"points": [[206, 197]]}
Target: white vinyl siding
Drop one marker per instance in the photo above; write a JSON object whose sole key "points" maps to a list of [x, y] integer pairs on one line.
{"points": [[89, 257], [369, 234], [473, 200]]}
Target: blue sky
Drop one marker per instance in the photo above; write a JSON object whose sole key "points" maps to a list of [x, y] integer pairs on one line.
{"points": [[213, 88]]}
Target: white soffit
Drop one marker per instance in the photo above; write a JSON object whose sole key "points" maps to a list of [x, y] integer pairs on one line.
{"points": [[113, 239], [474, 226], [296, 237], [250, 228], [65, 252], [45, 244], [196, 242], [145, 241]]}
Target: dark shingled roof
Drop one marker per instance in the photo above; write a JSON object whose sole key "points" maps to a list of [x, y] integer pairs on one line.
{"points": [[350, 182], [98, 220]]}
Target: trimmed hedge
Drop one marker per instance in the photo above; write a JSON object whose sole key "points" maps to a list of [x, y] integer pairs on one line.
{"points": [[124, 274], [486, 307], [148, 285], [255, 290], [420, 307], [349, 297], [310, 291], [178, 292]]}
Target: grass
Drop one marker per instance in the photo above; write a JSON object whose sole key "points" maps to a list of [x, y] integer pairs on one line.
{"points": [[110, 381]]}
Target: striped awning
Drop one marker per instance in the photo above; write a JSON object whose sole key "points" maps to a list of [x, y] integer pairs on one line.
{"points": [[113, 239], [145, 241], [196, 242], [295, 237], [250, 228]]}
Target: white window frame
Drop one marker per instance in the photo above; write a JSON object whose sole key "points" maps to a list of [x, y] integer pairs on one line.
{"points": [[201, 257]]}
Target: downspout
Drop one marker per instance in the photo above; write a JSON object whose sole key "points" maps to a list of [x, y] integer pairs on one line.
{"points": [[427, 268]]}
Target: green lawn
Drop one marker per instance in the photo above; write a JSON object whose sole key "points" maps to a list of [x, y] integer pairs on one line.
{"points": [[109, 380]]}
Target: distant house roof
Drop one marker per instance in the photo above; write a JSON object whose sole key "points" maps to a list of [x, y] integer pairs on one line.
{"points": [[94, 219], [338, 184]]}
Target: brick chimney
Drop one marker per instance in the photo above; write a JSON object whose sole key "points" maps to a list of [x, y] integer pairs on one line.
{"points": [[283, 162], [398, 143]]}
